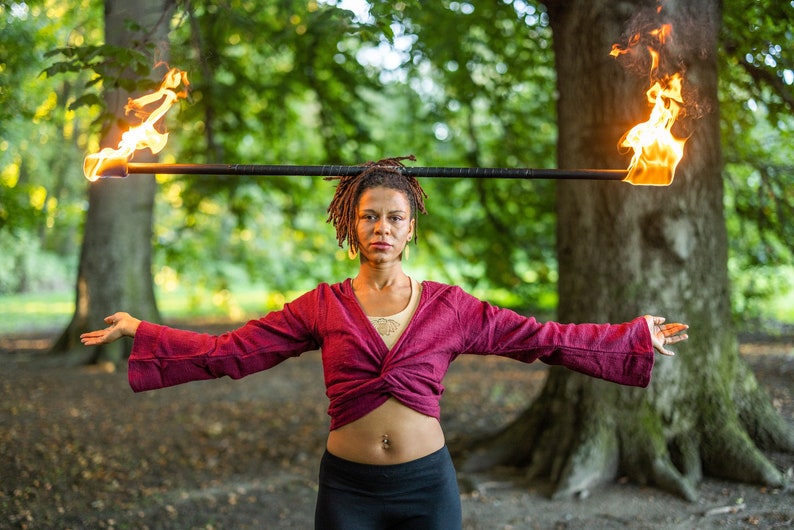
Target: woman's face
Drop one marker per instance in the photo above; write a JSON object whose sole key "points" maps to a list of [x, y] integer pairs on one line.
{"points": [[384, 224]]}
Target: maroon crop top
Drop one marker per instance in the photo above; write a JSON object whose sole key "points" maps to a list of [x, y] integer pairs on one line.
{"points": [[361, 373]]}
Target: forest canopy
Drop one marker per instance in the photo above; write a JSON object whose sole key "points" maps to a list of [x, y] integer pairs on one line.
{"points": [[455, 83]]}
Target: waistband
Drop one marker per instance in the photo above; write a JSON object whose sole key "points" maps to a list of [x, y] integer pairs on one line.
{"points": [[433, 460]]}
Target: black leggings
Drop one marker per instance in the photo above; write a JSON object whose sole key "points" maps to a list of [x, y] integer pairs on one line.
{"points": [[418, 494]]}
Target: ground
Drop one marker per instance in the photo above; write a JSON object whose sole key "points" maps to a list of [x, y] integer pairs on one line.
{"points": [[81, 450]]}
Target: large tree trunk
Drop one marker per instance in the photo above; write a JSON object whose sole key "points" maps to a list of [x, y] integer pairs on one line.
{"points": [[116, 257], [624, 251]]}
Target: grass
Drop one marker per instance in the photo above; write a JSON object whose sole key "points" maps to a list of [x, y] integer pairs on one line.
{"points": [[35, 312], [46, 312]]}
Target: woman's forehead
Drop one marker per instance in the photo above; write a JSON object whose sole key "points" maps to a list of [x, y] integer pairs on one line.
{"points": [[382, 197]]}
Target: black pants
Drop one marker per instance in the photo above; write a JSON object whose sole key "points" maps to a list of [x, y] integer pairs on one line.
{"points": [[419, 494]]}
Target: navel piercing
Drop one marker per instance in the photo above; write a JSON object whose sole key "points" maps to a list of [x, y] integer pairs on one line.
{"points": [[386, 441]]}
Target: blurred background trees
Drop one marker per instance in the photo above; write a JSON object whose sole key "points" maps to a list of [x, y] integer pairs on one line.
{"points": [[455, 83]]}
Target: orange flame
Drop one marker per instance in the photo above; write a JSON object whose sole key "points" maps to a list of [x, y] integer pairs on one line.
{"points": [[108, 161], [656, 151]]}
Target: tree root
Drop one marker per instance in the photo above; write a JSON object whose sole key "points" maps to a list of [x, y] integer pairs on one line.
{"points": [[648, 458], [592, 461], [759, 418], [576, 435], [728, 452]]}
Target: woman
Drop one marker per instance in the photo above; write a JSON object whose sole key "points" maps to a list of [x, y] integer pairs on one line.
{"points": [[387, 341]]}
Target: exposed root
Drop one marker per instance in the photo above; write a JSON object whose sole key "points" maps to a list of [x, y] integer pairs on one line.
{"points": [[665, 475], [646, 457], [577, 435], [592, 461], [763, 423], [728, 452], [685, 455]]}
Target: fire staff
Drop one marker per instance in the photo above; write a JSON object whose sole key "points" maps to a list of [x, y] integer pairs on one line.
{"points": [[386, 341]]}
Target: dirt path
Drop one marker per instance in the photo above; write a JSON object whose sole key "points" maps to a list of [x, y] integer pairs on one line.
{"points": [[80, 450]]}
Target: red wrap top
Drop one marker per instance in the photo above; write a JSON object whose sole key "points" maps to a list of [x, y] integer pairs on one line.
{"points": [[361, 373]]}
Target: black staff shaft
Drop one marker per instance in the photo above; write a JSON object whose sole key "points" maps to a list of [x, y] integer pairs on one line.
{"points": [[344, 171]]}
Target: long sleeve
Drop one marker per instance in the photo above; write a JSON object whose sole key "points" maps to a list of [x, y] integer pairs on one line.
{"points": [[621, 353], [163, 356]]}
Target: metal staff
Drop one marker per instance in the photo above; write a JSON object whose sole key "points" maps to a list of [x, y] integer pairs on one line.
{"points": [[122, 170]]}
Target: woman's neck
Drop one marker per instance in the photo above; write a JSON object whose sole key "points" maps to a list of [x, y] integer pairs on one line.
{"points": [[378, 279]]}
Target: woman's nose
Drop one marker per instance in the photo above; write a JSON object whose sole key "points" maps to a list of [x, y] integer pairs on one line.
{"points": [[382, 227]]}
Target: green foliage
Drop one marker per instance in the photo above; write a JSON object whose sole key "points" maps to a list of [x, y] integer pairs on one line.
{"points": [[296, 82], [108, 65], [489, 94], [272, 84], [757, 106], [41, 144], [308, 83], [26, 267]]}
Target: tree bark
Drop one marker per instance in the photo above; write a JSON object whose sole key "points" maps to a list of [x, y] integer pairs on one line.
{"points": [[115, 272], [624, 251]]}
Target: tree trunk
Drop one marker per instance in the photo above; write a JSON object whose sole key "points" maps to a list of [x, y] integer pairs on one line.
{"points": [[116, 257], [624, 251]]}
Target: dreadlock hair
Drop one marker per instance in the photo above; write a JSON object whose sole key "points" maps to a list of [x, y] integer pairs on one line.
{"points": [[386, 173]]}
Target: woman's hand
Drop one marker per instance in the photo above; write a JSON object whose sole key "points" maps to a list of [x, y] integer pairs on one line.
{"points": [[663, 334], [119, 325]]}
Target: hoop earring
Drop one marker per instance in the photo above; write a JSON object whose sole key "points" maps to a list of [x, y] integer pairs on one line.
{"points": [[352, 252], [407, 251]]}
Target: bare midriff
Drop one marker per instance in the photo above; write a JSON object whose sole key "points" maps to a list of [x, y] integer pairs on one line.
{"points": [[390, 434]]}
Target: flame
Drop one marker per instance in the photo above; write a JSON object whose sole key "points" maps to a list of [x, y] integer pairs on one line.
{"points": [[656, 151], [113, 162]]}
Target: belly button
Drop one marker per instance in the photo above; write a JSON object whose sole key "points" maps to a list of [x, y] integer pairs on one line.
{"points": [[386, 441]]}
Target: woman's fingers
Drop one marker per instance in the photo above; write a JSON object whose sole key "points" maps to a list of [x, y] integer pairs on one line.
{"points": [[663, 334]]}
